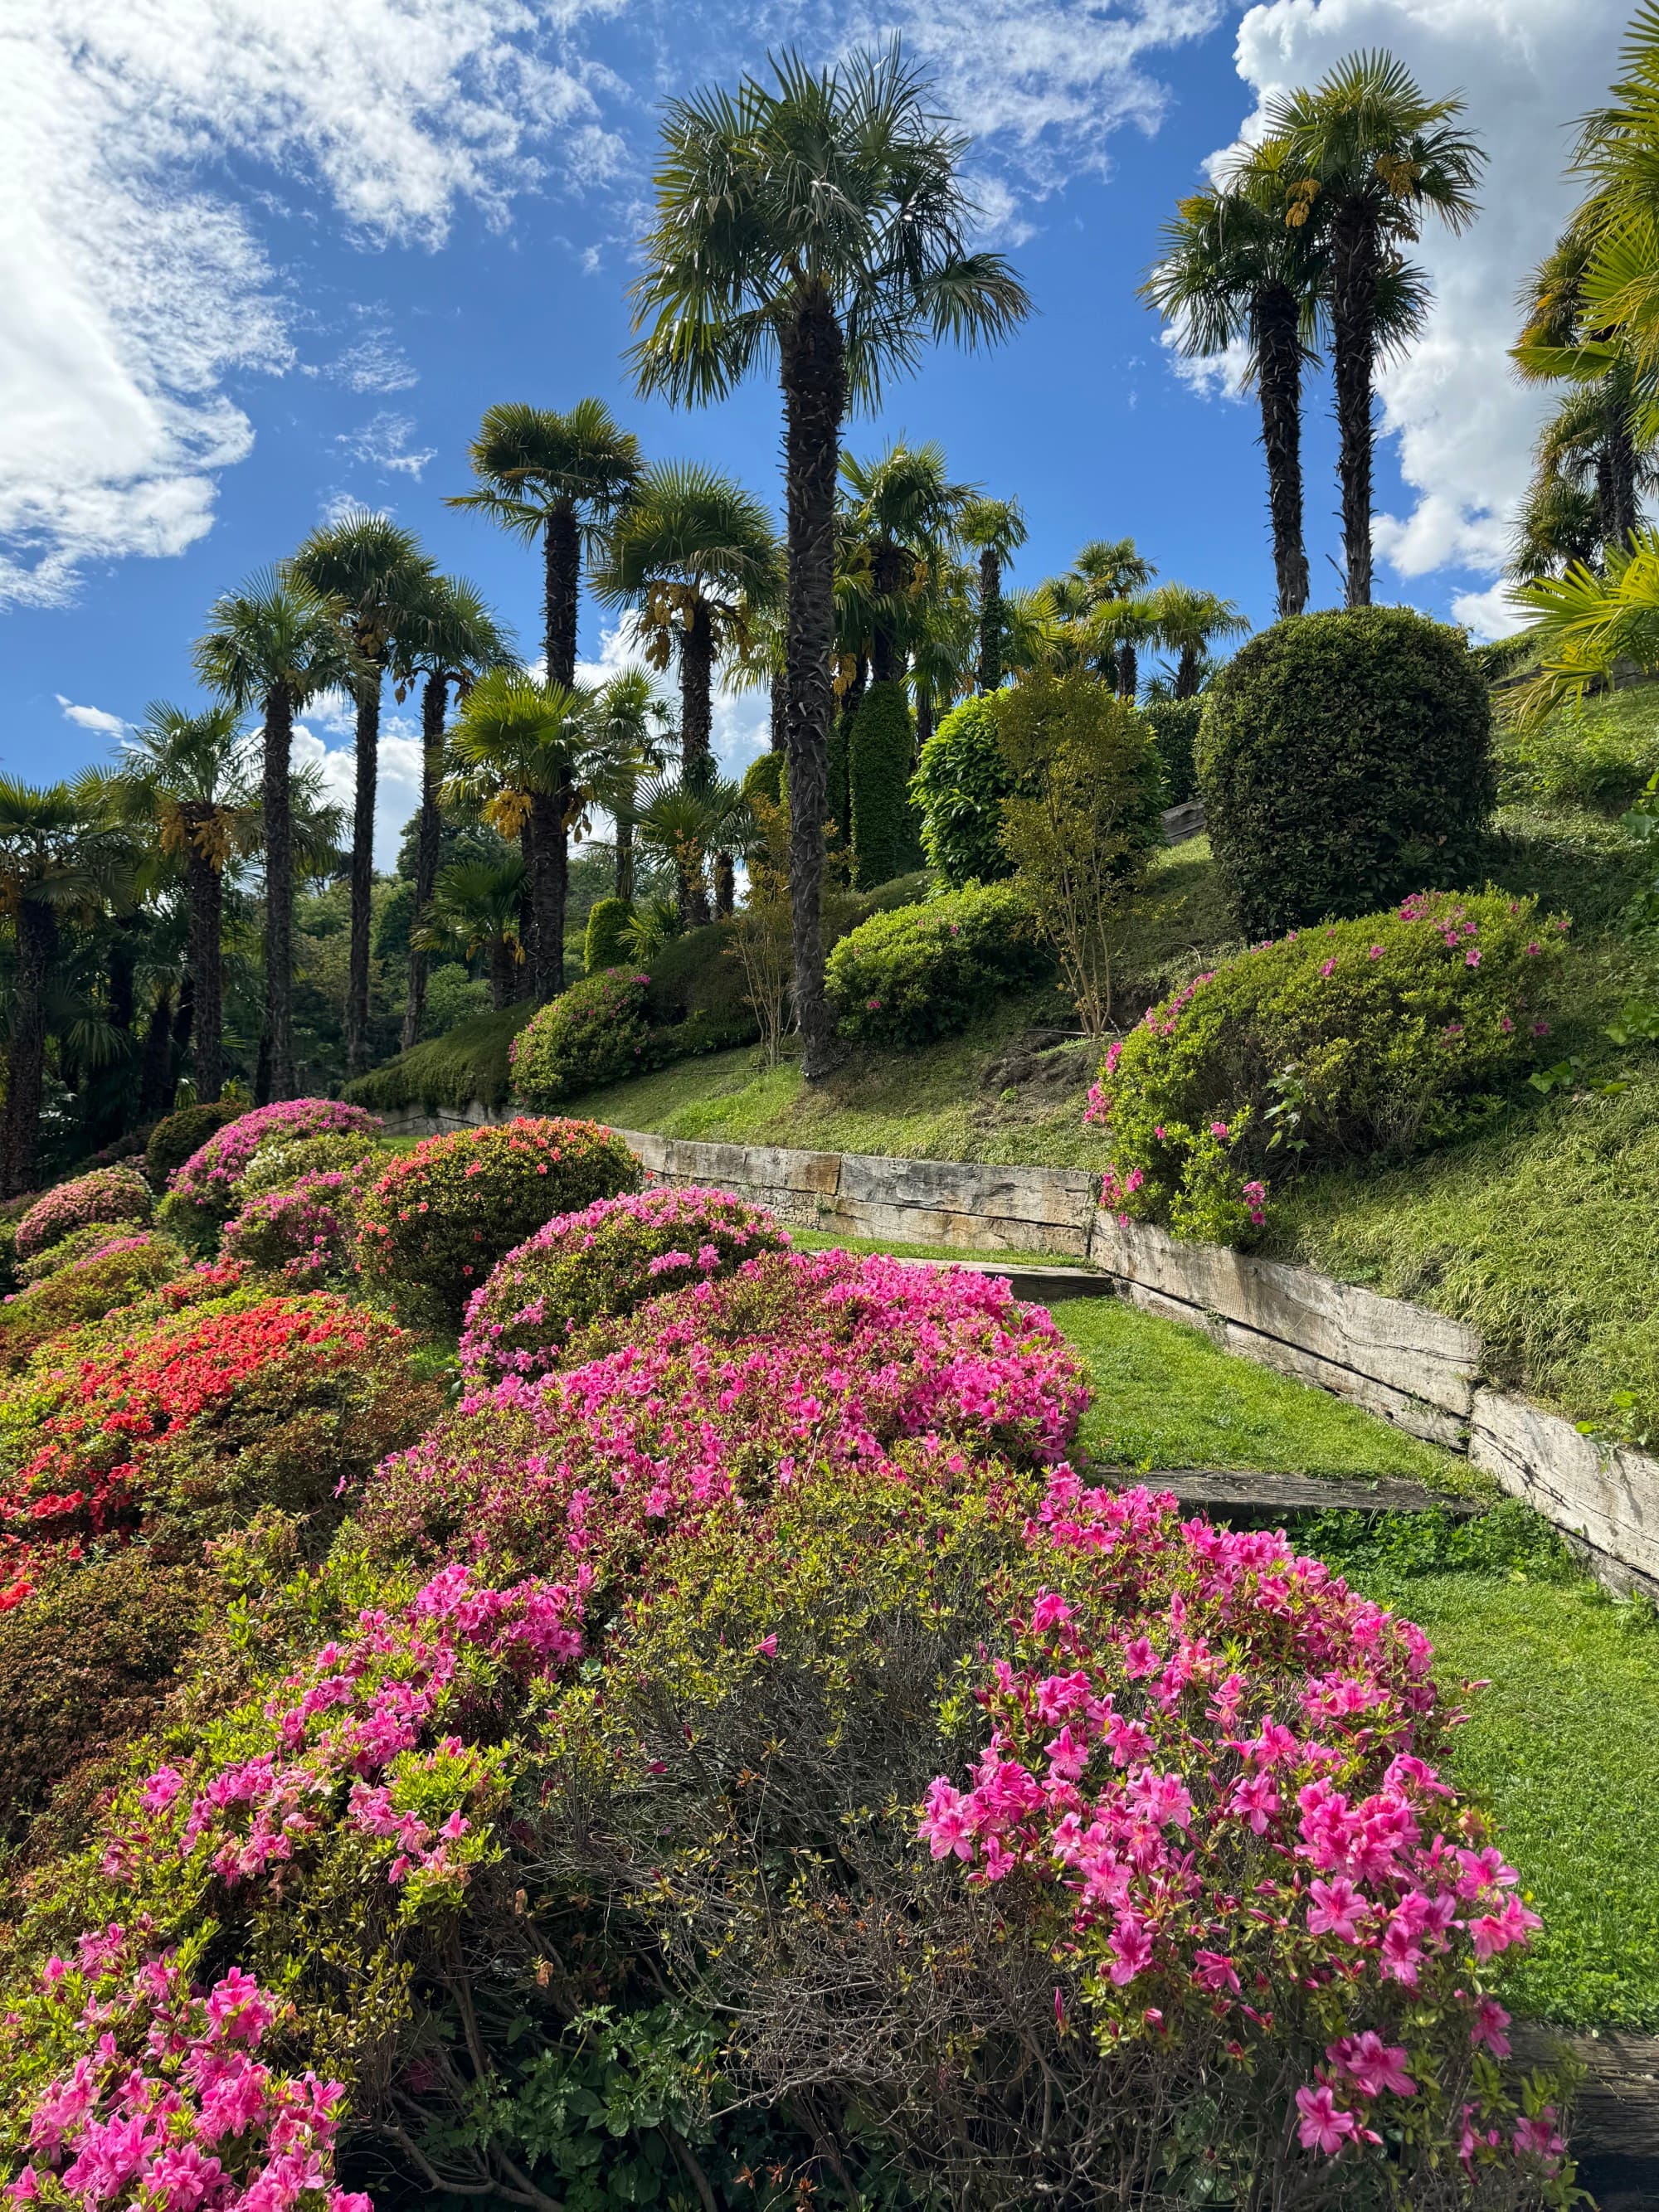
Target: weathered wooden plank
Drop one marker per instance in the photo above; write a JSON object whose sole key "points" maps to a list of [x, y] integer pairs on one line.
{"points": [[1295, 1493], [1423, 1354], [1607, 1495], [1059, 1198]]}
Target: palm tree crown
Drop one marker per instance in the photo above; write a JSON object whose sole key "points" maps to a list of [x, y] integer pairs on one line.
{"points": [[996, 529]]}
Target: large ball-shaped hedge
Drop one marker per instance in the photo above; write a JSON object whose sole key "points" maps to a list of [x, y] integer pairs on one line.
{"points": [[960, 783], [1344, 762]]}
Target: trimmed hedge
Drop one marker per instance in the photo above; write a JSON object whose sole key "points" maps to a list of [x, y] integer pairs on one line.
{"points": [[1344, 759], [593, 1033], [602, 940], [880, 758], [178, 1135], [471, 1061], [960, 783], [927, 971], [763, 778], [1175, 727]]}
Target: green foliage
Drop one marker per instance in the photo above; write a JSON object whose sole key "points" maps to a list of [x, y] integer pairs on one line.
{"points": [[837, 795], [1344, 760], [1367, 1039], [280, 1166], [117, 1194], [471, 1061], [764, 778], [960, 783], [695, 1001], [176, 1136], [880, 755], [593, 1033], [924, 971], [1588, 754], [88, 1288], [1175, 725], [602, 942]]}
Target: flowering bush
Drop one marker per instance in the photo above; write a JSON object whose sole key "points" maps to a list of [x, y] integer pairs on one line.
{"points": [[306, 1230], [1369, 1037], [102, 1278], [595, 1032], [207, 1187], [606, 1260], [279, 1167], [107, 1195], [188, 1425], [723, 1392], [926, 971], [434, 1222]]}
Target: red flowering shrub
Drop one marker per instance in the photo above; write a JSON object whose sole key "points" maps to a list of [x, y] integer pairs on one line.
{"points": [[433, 1224], [113, 1272], [188, 1425], [115, 1193], [605, 1260], [206, 1190], [727, 1391]]}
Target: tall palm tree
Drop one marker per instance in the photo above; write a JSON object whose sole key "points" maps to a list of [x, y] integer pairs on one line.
{"points": [[449, 639], [627, 721], [1096, 617], [270, 647], [519, 745], [196, 777], [946, 644], [996, 529], [816, 222], [1187, 623], [561, 479], [1369, 158], [904, 509], [380, 575], [1231, 271], [690, 826], [476, 907]]}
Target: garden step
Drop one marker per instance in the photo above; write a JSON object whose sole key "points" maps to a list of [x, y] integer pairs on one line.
{"points": [[1042, 1285], [1615, 2117], [1294, 1494]]}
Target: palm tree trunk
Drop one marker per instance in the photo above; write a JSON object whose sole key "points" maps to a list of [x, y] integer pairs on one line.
{"points": [[26, 1057], [562, 556], [1186, 683], [1275, 320], [1353, 323], [546, 852], [625, 846], [814, 377], [779, 718], [1128, 671], [924, 714], [503, 973], [725, 886], [276, 793], [434, 698], [155, 1067], [1620, 450], [362, 876], [990, 620], [696, 697], [204, 898]]}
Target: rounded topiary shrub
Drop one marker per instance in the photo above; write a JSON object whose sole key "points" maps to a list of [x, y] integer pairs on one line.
{"points": [[960, 783], [432, 1225], [109, 1194], [926, 971], [1174, 724], [605, 1260], [1344, 760], [593, 1033], [1363, 1039], [207, 1189], [881, 750], [764, 779], [178, 1135], [603, 941], [305, 1232]]}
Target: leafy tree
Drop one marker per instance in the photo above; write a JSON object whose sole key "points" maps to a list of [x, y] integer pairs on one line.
{"points": [[996, 528], [379, 574], [880, 754], [1368, 157], [816, 222], [270, 647]]}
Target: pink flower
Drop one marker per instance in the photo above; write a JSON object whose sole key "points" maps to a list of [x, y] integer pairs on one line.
{"points": [[1324, 2126], [1214, 1972], [1337, 1910], [1373, 2065], [1219, 1129], [1472, 958], [1490, 2021], [1327, 967], [1131, 1947], [1376, 952]]}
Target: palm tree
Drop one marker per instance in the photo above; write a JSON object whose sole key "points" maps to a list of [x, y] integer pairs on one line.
{"points": [[561, 479], [1187, 623], [380, 575], [688, 826], [903, 510], [196, 778], [627, 720], [946, 644], [997, 528], [817, 222], [1368, 158], [1097, 619], [1231, 271], [476, 908], [519, 746], [270, 648], [450, 637]]}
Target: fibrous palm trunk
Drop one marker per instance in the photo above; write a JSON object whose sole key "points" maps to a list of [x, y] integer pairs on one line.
{"points": [[924, 714], [625, 844], [429, 837], [779, 718], [503, 972], [1354, 324], [814, 377], [277, 1039], [155, 1067], [362, 867], [725, 886], [204, 901], [1128, 671], [1621, 515], [546, 862], [1186, 682], [990, 620], [696, 726], [563, 570], [1275, 320], [26, 1054]]}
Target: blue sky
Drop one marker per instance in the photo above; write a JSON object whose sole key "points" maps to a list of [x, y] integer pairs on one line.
{"points": [[278, 253]]}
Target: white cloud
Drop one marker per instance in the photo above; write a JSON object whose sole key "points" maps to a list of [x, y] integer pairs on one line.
{"points": [[1487, 614], [1527, 69], [133, 290], [383, 443], [398, 786], [375, 363], [92, 718]]}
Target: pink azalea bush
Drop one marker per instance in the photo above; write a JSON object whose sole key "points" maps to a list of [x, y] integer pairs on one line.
{"points": [[595, 1032], [208, 1188], [1369, 1038], [605, 1260], [111, 1194], [433, 1224], [306, 1232], [1211, 1774], [730, 1388]]}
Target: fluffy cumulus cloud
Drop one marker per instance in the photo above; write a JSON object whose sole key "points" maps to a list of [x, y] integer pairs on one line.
{"points": [[92, 718], [135, 285], [1528, 67]]}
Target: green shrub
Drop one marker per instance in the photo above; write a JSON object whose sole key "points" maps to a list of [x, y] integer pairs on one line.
{"points": [[926, 971], [1365, 1039], [305, 1232], [763, 778], [178, 1135], [79, 1245], [469, 1063], [437, 1221], [959, 785], [696, 1000], [105, 1194], [280, 1166], [1344, 760], [1585, 756], [128, 1264], [880, 755], [1175, 725], [837, 794], [602, 941], [593, 1033]]}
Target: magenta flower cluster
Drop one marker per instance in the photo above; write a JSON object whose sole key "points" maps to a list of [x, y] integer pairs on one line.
{"points": [[210, 1177], [307, 1232], [112, 1194]]}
